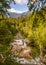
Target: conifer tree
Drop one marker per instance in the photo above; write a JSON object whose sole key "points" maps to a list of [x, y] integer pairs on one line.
{"points": [[36, 4], [4, 5]]}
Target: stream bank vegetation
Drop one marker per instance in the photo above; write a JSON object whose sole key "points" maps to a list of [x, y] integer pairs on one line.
{"points": [[31, 27]]}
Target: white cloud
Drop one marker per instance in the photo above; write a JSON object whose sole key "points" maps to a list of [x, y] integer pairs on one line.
{"points": [[21, 1], [15, 11]]}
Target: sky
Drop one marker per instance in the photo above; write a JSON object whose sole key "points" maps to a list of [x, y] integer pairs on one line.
{"points": [[20, 6]]}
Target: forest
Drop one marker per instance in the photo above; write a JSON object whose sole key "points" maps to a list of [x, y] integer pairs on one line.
{"points": [[31, 27]]}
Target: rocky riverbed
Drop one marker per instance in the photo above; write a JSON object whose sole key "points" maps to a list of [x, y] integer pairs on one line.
{"points": [[21, 54]]}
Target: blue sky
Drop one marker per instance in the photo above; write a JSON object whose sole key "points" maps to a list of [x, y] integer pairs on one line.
{"points": [[21, 5]]}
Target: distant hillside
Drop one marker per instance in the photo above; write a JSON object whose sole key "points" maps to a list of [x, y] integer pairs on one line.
{"points": [[14, 14]]}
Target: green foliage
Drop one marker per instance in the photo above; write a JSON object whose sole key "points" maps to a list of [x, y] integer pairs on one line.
{"points": [[35, 52], [4, 49], [9, 62], [5, 33]]}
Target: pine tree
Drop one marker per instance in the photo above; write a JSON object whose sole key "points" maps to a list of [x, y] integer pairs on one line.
{"points": [[4, 5], [36, 4]]}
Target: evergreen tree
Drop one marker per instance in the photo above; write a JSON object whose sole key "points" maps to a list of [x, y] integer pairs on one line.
{"points": [[36, 4], [4, 5]]}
